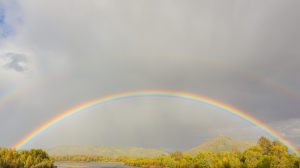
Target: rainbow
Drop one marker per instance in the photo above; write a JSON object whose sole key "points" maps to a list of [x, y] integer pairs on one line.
{"points": [[11, 96], [172, 94]]}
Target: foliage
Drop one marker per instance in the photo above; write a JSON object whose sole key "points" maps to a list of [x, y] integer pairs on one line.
{"points": [[104, 150], [252, 156], [35, 158], [90, 158], [266, 144], [266, 154]]}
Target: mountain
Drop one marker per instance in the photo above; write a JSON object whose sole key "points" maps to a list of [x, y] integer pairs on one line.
{"points": [[221, 143], [218, 144], [105, 151]]}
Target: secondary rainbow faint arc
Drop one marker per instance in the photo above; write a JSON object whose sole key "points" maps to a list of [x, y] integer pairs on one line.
{"points": [[156, 93]]}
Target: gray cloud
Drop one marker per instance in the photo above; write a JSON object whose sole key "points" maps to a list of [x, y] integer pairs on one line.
{"points": [[243, 53], [16, 61]]}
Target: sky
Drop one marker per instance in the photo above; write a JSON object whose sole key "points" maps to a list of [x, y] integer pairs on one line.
{"points": [[57, 54]]}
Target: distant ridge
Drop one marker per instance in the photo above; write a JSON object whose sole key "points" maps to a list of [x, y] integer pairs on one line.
{"points": [[104, 150], [221, 143], [217, 144]]}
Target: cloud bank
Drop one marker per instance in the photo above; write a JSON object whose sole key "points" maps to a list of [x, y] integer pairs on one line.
{"points": [[65, 52]]}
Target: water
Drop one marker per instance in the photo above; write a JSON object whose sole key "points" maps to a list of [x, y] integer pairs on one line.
{"points": [[89, 164]]}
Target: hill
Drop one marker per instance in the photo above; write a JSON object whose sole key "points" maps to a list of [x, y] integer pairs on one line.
{"points": [[105, 151], [221, 143]]}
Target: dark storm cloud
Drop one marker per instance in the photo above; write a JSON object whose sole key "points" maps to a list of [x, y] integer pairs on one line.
{"points": [[239, 52]]}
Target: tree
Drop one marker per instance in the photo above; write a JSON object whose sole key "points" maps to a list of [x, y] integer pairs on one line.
{"points": [[264, 162], [10, 158], [279, 157], [203, 160], [252, 156], [265, 144], [177, 156], [276, 143], [29, 161]]}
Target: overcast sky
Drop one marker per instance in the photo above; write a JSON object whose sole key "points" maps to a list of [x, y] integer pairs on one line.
{"points": [[56, 54]]}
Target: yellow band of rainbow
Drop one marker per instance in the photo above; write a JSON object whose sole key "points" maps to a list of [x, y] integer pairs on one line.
{"points": [[157, 93]]}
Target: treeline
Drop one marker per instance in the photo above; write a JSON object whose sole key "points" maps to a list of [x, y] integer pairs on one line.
{"points": [[266, 154], [36, 158], [90, 158]]}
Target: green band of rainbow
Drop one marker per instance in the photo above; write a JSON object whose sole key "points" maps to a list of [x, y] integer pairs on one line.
{"points": [[173, 94]]}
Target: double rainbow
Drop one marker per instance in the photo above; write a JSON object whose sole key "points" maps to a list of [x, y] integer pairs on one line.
{"points": [[172, 94]]}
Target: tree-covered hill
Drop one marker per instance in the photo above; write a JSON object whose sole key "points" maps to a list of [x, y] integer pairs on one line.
{"points": [[221, 144], [103, 150]]}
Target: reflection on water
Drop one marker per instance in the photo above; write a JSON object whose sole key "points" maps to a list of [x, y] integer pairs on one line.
{"points": [[89, 164]]}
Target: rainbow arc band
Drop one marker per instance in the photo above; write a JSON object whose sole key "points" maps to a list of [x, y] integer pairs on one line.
{"points": [[156, 93]]}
